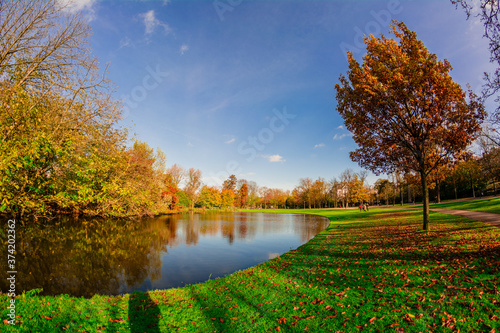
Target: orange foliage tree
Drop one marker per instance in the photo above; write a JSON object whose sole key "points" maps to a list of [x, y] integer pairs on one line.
{"points": [[227, 198], [243, 195], [404, 109]]}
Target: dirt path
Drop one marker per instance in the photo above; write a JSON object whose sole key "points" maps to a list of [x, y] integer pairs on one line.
{"points": [[490, 218]]}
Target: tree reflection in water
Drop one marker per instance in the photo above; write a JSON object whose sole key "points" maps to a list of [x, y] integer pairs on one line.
{"points": [[83, 257]]}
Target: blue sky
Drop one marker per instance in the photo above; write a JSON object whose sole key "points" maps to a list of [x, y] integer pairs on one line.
{"points": [[247, 87]]}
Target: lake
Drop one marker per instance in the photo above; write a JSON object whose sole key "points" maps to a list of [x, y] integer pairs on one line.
{"points": [[83, 257]]}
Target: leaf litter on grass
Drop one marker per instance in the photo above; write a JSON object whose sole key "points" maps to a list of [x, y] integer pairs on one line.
{"points": [[375, 272]]}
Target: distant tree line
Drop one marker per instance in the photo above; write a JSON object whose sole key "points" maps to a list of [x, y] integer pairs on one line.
{"points": [[62, 149]]}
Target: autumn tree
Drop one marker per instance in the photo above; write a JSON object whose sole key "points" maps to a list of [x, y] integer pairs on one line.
{"points": [[404, 110], [264, 196], [209, 197], [276, 197], [333, 191], [60, 146], [359, 193], [139, 171], [305, 190], [172, 177], [193, 185], [176, 175], [319, 192], [227, 198], [253, 192], [437, 176], [230, 183], [243, 195], [346, 178]]}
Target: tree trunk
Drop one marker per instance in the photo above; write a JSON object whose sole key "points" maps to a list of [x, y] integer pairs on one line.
{"points": [[401, 189], [425, 201], [438, 192], [394, 193], [409, 193]]}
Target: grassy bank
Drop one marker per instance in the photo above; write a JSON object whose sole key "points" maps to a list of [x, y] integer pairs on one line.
{"points": [[490, 205], [373, 271]]}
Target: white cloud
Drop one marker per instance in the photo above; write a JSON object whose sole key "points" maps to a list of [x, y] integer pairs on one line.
{"points": [[125, 41], [274, 158], [183, 49], [230, 141], [74, 6], [243, 175], [340, 127], [319, 145], [340, 137], [151, 22], [77, 5]]}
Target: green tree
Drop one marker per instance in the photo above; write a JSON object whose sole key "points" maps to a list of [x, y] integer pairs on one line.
{"points": [[470, 173], [384, 190]]}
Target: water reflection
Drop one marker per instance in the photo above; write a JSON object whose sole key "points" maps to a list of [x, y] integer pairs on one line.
{"points": [[106, 256]]}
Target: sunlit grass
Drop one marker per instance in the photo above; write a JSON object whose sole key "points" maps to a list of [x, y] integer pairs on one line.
{"points": [[371, 271], [491, 205]]}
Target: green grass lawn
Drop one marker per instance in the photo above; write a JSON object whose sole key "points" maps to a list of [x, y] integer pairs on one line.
{"points": [[372, 271], [484, 205]]}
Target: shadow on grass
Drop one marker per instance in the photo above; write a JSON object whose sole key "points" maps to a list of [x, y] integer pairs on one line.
{"points": [[116, 320], [144, 314], [216, 309]]}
